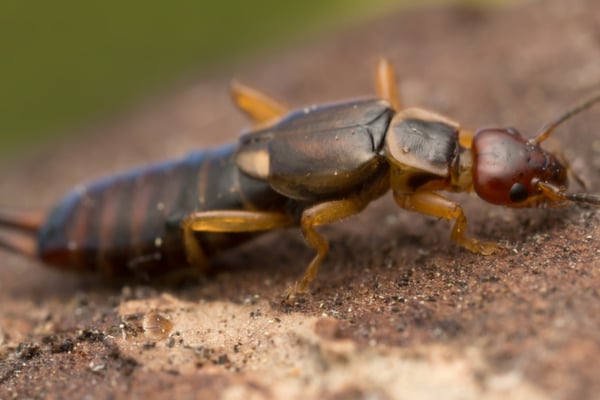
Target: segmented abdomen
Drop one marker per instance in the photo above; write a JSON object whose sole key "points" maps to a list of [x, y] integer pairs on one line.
{"points": [[129, 224]]}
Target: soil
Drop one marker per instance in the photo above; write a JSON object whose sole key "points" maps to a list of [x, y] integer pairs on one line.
{"points": [[398, 310]]}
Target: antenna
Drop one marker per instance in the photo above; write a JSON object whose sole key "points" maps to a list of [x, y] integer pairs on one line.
{"points": [[549, 128], [583, 198]]}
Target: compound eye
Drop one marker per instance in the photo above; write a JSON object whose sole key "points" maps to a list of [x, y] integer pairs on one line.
{"points": [[518, 193]]}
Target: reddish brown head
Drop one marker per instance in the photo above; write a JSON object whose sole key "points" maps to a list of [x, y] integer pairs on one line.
{"points": [[508, 169], [513, 171]]}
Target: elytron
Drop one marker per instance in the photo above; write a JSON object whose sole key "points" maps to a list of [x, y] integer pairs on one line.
{"points": [[309, 167]]}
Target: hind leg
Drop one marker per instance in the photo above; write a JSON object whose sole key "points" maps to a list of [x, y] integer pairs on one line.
{"points": [[227, 221], [258, 106]]}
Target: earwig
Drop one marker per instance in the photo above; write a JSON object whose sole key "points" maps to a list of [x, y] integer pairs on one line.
{"points": [[306, 168]]}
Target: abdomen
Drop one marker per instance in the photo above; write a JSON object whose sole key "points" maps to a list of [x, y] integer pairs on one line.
{"points": [[129, 224]]}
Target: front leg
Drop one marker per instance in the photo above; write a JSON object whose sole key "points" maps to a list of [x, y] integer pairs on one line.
{"points": [[435, 205]]}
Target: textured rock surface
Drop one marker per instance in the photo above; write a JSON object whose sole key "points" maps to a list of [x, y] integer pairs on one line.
{"points": [[397, 311]]}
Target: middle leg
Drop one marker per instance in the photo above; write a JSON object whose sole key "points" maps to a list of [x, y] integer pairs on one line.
{"points": [[385, 83], [318, 215]]}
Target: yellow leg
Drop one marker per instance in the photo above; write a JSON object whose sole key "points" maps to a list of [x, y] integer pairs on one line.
{"points": [[257, 105], [465, 138], [236, 221], [433, 204], [322, 214], [227, 221], [385, 82]]}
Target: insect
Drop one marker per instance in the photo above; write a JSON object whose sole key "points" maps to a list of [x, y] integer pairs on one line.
{"points": [[306, 168]]}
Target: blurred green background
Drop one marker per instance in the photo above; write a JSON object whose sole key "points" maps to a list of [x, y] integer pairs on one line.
{"points": [[68, 62]]}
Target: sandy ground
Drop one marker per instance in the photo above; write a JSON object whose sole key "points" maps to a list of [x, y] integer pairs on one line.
{"points": [[397, 311]]}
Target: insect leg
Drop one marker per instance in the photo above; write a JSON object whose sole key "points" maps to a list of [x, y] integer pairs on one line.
{"points": [[465, 138], [433, 204], [227, 221], [385, 83], [322, 214], [257, 105]]}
